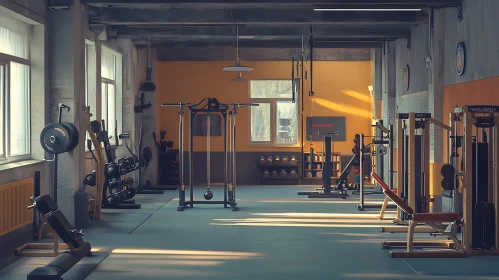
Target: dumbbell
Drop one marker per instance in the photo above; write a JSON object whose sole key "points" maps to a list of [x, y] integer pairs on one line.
{"points": [[111, 200], [112, 170], [123, 195], [124, 165], [131, 163], [90, 179], [132, 192]]}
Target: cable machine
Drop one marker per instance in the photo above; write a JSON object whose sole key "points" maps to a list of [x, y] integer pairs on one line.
{"points": [[209, 106], [480, 177], [413, 165]]}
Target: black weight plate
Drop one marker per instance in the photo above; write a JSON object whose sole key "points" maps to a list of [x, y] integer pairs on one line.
{"points": [[448, 185], [55, 138], [74, 135], [70, 133], [447, 171]]}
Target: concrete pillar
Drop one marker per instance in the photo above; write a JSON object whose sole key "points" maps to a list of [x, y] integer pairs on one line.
{"points": [[67, 85], [435, 86], [147, 119], [378, 82], [389, 83], [389, 92]]}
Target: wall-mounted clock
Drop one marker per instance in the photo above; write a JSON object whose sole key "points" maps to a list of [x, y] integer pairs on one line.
{"points": [[407, 77], [460, 58]]}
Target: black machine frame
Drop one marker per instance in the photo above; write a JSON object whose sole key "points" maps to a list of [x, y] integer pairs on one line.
{"points": [[327, 191], [379, 139], [208, 106]]}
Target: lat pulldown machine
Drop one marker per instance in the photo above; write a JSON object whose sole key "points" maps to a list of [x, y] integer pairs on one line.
{"points": [[413, 166], [209, 106], [479, 174]]}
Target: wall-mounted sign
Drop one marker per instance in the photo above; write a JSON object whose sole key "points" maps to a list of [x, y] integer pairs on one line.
{"points": [[200, 127], [407, 77], [318, 127], [460, 58]]}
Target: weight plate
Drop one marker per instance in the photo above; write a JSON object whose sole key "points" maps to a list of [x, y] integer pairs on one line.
{"points": [[74, 135], [55, 138], [448, 185], [447, 171]]}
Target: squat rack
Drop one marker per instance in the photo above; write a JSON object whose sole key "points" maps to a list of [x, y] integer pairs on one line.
{"points": [[208, 106]]}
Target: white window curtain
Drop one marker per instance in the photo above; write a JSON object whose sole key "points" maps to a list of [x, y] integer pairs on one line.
{"points": [[19, 109], [14, 36], [108, 64]]}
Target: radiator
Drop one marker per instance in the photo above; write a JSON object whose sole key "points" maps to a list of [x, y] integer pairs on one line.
{"points": [[14, 202]]}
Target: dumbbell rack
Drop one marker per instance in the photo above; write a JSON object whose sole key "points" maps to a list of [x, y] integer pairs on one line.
{"points": [[279, 179]]}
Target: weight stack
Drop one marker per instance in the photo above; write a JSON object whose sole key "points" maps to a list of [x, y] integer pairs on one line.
{"points": [[483, 227]]}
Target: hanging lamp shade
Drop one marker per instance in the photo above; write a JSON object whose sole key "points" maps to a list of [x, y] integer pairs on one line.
{"points": [[238, 68]]}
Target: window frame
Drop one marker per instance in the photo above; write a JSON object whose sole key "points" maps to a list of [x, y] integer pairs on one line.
{"points": [[117, 79], [6, 60], [273, 117]]}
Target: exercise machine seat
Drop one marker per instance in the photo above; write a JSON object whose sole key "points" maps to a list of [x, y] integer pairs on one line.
{"points": [[435, 217], [417, 217]]}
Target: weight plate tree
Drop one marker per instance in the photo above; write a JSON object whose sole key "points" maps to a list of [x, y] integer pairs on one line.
{"points": [[58, 138]]}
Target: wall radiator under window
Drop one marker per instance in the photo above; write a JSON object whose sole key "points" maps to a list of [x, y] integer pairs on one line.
{"points": [[14, 202]]}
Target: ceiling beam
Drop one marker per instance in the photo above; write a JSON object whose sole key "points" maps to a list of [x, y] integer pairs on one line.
{"points": [[346, 44], [253, 31], [258, 54], [255, 16], [405, 3]]}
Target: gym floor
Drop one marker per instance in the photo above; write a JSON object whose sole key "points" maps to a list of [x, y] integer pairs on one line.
{"points": [[276, 234]]}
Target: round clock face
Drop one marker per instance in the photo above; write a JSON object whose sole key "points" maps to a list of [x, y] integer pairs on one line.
{"points": [[406, 77], [460, 59]]}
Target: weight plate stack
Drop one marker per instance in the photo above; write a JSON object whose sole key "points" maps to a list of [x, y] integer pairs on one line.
{"points": [[58, 138]]}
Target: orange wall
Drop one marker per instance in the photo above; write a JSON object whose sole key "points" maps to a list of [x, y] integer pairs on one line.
{"points": [[481, 92], [341, 89]]}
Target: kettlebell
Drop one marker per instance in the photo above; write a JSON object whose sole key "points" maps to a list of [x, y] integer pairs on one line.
{"points": [[262, 160], [266, 173], [277, 159], [208, 194]]}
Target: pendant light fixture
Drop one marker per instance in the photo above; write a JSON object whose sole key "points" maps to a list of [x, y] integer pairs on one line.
{"points": [[238, 67], [239, 79]]}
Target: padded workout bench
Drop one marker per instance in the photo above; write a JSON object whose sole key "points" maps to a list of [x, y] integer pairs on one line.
{"points": [[433, 220], [78, 248], [400, 228]]}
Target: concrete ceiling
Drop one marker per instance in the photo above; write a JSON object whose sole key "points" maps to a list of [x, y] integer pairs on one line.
{"points": [[261, 24]]}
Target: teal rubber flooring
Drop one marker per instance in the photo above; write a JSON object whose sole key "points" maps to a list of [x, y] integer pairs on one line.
{"points": [[276, 234]]}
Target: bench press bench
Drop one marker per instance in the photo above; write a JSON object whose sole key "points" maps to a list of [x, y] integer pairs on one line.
{"points": [[433, 220]]}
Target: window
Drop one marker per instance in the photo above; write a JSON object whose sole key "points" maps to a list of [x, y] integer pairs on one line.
{"points": [[275, 120], [111, 97], [14, 90], [90, 81]]}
